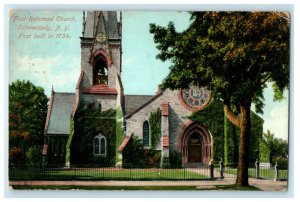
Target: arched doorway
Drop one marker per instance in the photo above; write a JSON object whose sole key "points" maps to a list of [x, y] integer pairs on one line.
{"points": [[195, 143], [194, 149]]}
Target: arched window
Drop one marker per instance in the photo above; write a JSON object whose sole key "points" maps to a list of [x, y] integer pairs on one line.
{"points": [[100, 72], [100, 145], [146, 136], [96, 146]]}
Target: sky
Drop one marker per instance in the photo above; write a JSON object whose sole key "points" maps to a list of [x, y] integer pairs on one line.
{"points": [[56, 61]]}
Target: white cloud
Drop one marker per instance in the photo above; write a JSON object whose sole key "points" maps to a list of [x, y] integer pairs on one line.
{"points": [[277, 122], [46, 71]]}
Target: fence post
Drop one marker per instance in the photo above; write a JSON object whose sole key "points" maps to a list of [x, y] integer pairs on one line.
{"points": [[130, 168], [276, 172], [257, 169], [211, 166], [221, 169]]}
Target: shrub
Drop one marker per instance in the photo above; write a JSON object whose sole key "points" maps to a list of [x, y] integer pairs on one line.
{"points": [[282, 163], [16, 156], [134, 155], [175, 159], [166, 162], [34, 156]]}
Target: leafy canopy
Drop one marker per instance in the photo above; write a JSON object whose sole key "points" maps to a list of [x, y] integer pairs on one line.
{"points": [[232, 53], [27, 115]]}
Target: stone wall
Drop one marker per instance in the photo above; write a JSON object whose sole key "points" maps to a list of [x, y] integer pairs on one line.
{"points": [[177, 117], [86, 67], [107, 101]]}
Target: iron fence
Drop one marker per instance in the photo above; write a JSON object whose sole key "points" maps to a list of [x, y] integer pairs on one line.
{"points": [[258, 172], [92, 172], [108, 172]]}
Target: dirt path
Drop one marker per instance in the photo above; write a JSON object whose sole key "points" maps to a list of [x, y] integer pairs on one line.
{"points": [[266, 185]]}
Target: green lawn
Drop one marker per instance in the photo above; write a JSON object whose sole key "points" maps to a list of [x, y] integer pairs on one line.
{"points": [[107, 174], [264, 173]]}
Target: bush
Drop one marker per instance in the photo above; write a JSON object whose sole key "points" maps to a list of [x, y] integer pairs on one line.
{"points": [[282, 163], [175, 159], [34, 156], [134, 155], [16, 156]]}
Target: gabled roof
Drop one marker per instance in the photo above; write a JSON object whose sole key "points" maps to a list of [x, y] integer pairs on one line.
{"points": [[60, 113], [110, 20], [133, 102]]}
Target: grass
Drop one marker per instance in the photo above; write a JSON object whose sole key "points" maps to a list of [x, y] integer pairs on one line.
{"points": [[264, 173], [69, 187], [234, 187], [107, 174], [153, 188]]}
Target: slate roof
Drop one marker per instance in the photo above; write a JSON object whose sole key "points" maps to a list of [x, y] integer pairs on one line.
{"points": [[133, 102], [111, 27], [62, 107]]}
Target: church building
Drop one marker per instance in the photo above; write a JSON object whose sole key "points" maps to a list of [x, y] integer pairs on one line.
{"points": [[97, 122]]}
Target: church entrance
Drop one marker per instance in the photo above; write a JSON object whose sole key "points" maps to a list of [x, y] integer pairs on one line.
{"points": [[195, 144], [194, 149]]}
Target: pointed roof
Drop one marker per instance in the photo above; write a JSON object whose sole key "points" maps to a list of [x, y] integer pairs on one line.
{"points": [[111, 23], [133, 102], [60, 113]]}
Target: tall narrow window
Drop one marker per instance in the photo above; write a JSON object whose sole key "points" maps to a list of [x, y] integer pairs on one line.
{"points": [[96, 146], [146, 136], [100, 145], [100, 71]]}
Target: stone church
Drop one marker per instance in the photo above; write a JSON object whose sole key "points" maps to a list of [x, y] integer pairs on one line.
{"points": [[100, 87]]}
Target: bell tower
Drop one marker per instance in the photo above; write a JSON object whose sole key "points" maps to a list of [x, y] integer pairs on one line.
{"points": [[100, 80]]}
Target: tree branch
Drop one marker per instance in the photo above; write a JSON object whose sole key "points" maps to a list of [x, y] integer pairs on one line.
{"points": [[231, 116]]}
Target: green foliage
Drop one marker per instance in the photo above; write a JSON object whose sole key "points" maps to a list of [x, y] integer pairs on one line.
{"points": [[264, 151], [34, 156], [231, 143], [166, 162], [282, 163], [175, 159], [57, 150], [119, 131], [16, 156], [256, 133], [278, 148], [155, 128], [27, 116], [213, 117], [234, 54], [69, 141], [88, 123], [134, 155], [226, 139]]}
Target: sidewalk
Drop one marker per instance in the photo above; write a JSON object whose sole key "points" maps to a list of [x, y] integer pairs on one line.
{"points": [[265, 185]]}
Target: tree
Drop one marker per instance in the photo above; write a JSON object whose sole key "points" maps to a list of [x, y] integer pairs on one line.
{"points": [[278, 147], [27, 115], [269, 139], [234, 54]]}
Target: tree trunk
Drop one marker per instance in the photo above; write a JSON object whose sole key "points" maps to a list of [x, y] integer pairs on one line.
{"points": [[245, 132]]}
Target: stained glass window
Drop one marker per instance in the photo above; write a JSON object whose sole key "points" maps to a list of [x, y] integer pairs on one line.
{"points": [[195, 96]]}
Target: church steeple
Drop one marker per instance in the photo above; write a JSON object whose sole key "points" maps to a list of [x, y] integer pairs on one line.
{"points": [[101, 48]]}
